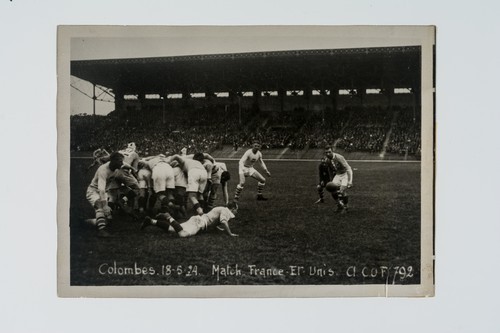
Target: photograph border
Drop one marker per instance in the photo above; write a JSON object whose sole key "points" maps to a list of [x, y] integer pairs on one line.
{"points": [[348, 37]]}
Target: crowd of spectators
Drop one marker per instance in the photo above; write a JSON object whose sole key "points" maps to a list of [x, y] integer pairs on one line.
{"points": [[405, 136], [361, 129], [367, 130]]}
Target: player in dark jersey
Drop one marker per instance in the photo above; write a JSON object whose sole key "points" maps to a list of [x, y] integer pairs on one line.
{"points": [[342, 180], [326, 174]]}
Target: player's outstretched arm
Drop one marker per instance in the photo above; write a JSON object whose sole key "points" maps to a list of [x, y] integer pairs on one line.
{"points": [[208, 157], [261, 160], [225, 196], [178, 158], [244, 158], [349, 177], [129, 167], [225, 226]]}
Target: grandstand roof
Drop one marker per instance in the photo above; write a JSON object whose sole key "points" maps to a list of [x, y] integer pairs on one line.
{"points": [[288, 70]]}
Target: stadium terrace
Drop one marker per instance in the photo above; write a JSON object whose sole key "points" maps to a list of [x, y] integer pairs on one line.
{"points": [[362, 100]]}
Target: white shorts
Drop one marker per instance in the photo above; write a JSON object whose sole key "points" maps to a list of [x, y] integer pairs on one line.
{"points": [[247, 171], [195, 224], [340, 179], [93, 195], [144, 178], [163, 177], [197, 180], [180, 178]]}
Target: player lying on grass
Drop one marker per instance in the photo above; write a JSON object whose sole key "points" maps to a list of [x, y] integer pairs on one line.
{"points": [[342, 180], [219, 216]]}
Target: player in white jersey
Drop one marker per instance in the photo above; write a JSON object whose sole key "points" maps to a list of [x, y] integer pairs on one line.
{"points": [[97, 191], [342, 180], [246, 169], [196, 177], [125, 186], [219, 216], [100, 156], [220, 176]]}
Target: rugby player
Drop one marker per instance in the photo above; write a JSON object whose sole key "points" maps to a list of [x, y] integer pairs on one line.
{"points": [[326, 174], [342, 180], [100, 156], [219, 216], [220, 176], [146, 188], [97, 192], [246, 169], [162, 176], [125, 184], [196, 177]]}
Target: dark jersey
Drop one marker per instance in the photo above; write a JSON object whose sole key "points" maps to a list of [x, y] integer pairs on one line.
{"points": [[326, 171]]}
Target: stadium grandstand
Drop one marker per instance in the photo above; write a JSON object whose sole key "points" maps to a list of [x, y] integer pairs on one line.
{"points": [[364, 101]]}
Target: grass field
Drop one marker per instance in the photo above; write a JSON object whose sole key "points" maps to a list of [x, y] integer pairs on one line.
{"points": [[287, 239]]}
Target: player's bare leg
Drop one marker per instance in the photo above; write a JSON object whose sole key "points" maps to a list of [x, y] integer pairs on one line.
{"points": [[163, 221], [239, 187], [193, 198], [102, 215], [343, 200], [321, 194], [260, 185], [143, 199], [212, 196], [180, 200]]}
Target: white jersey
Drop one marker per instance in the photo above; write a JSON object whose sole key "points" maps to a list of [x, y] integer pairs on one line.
{"points": [[130, 157], [217, 215], [249, 158], [151, 163]]}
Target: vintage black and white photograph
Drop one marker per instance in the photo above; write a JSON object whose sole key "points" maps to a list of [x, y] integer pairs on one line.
{"points": [[279, 161]]}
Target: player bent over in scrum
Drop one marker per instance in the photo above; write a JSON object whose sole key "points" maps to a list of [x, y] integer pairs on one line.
{"points": [[342, 180], [162, 175], [196, 177], [96, 192], [125, 188], [219, 216], [246, 169], [220, 177], [144, 177]]}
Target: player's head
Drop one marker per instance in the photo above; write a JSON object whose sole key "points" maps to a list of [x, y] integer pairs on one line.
{"points": [[328, 152], [233, 207], [225, 177], [131, 146], [115, 160], [256, 146], [199, 157]]}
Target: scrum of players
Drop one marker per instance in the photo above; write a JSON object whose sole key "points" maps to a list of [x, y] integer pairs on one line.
{"points": [[175, 187], [165, 186]]}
